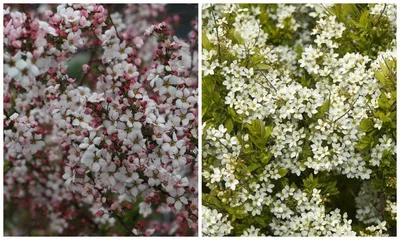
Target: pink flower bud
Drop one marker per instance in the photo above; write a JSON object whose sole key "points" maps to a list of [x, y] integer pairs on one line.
{"points": [[64, 70], [84, 13], [63, 34], [87, 111], [100, 20], [36, 53], [99, 213], [138, 61], [99, 107], [85, 68]]}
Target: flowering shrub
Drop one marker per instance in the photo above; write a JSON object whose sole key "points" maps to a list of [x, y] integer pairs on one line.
{"points": [[299, 113], [111, 151]]}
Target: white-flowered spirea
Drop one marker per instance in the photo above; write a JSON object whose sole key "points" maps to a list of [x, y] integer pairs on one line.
{"points": [[291, 91]]}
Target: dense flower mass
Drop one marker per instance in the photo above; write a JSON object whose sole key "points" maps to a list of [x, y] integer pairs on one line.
{"points": [[111, 150], [299, 114]]}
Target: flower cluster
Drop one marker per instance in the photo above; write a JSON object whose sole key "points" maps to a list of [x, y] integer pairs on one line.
{"points": [[215, 223], [114, 147], [299, 111], [309, 217]]}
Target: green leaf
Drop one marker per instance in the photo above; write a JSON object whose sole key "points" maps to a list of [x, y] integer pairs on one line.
{"points": [[299, 50], [384, 103], [253, 167], [384, 117], [323, 110], [364, 19], [212, 201], [263, 66], [380, 77], [238, 37], [205, 41], [217, 97], [282, 171], [284, 182], [229, 125], [365, 143], [208, 84], [262, 221], [366, 125], [206, 103], [268, 132], [235, 117], [265, 157], [258, 133], [6, 166], [310, 183], [231, 112], [238, 213], [330, 188]]}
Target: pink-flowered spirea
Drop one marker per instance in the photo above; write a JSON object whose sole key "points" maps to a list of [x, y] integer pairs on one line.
{"points": [[113, 148]]}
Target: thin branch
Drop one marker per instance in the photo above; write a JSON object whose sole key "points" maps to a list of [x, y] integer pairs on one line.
{"points": [[112, 23], [295, 35], [379, 19], [215, 22], [350, 108], [92, 54], [120, 220], [329, 103], [381, 14], [327, 9], [265, 77]]}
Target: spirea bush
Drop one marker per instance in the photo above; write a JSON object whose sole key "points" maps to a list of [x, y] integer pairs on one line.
{"points": [[111, 151], [299, 113]]}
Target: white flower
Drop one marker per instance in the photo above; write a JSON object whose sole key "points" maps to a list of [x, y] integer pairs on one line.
{"points": [[177, 199], [69, 175], [91, 141], [172, 145], [145, 209]]}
